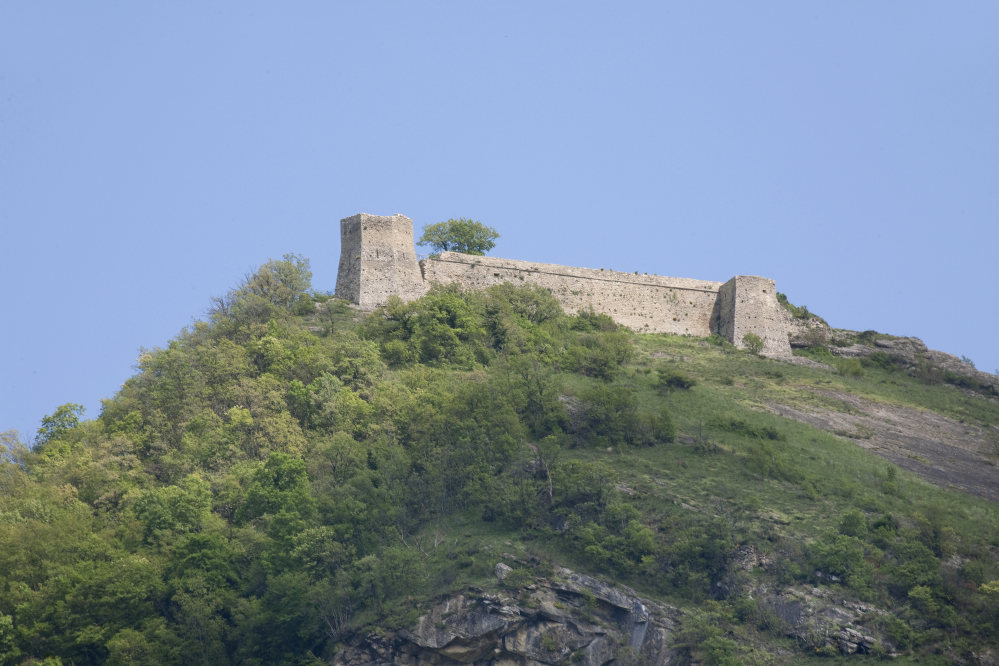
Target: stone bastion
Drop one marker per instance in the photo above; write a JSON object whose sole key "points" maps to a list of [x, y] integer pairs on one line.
{"points": [[378, 260]]}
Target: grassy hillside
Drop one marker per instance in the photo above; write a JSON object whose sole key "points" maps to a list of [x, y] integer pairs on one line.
{"points": [[291, 473]]}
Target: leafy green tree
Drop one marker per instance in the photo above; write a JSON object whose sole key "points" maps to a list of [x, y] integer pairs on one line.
{"points": [[66, 417], [278, 283], [8, 644], [131, 648], [459, 235], [177, 508], [282, 281], [281, 484]]}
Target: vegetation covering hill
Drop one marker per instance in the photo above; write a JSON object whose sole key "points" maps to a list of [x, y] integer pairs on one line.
{"points": [[292, 474]]}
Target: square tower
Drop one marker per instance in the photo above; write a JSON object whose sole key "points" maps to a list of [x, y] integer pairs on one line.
{"points": [[748, 304], [378, 260]]}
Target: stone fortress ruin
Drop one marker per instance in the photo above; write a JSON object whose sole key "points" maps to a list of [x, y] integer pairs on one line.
{"points": [[378, 260]]}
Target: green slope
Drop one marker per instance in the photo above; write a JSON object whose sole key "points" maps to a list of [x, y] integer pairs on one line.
{"points": [[281, 477]]}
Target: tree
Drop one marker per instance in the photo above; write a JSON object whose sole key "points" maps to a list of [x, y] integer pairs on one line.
{"points": [[281, 282], [461, 235], [66, 417], [281, 484]]}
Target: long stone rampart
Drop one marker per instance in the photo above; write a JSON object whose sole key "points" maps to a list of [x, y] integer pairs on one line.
{"points": [[377, 261], [645, 303]]}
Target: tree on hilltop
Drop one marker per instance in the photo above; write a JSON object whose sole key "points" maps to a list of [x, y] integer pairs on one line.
{"points": [[461, 235]]}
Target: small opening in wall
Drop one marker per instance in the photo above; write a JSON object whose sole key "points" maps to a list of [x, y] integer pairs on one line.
{"points": [[496, 274]]}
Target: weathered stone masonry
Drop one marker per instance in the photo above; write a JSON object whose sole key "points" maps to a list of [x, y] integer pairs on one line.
{"points": [[377, 260]]}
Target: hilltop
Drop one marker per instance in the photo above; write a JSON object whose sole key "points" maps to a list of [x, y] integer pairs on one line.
{"points": [[479, 477]]}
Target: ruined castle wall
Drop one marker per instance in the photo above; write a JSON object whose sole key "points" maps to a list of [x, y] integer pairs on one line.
{"points": [[377, 260], [644, 303], [748, 304]]}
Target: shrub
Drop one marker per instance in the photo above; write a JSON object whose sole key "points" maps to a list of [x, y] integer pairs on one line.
{"points": [[752, 343], [899, 632], [517, 578], [970, 383], [768, 460], [304, 306], [839, 554], [673, 379], [850, 367], [607, 415], [652, 429], [853, 524], [734, 424], [798, 312], [599, 354], [439, 329], [883, 360], [610, 417]]}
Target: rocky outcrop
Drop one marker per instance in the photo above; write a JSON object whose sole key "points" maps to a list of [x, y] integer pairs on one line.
{"points": [[572, 618], [807, 332], [852, 641], [904, 348], [909, 352], [853, 351], [958, 367], [578, 620], [812, 616], [913, 350], [807, 362]]}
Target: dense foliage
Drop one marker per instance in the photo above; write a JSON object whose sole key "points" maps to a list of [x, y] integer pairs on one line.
{"points": [[260, 488], [459, 235]]}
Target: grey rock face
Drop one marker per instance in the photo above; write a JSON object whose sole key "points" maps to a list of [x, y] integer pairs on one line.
{"points": [[853, 351], [578, 619], [959, 367], [580, 584], [807, 362]]}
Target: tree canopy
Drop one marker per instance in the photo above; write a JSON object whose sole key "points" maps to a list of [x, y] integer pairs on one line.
{"points": [[264, 490], [459, 235]]}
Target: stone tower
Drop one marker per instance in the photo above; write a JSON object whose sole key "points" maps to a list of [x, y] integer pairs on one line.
{"points": [[378, 260], [748, 304]]}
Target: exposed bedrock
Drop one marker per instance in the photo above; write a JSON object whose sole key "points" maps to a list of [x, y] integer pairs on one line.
{"points": [[574, 619]]}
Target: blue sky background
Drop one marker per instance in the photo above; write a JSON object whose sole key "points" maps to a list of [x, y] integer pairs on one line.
{"points": [[151, 154]]}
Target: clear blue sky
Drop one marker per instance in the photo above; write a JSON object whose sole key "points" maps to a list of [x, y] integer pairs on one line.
{"points": [[152, 153]]}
